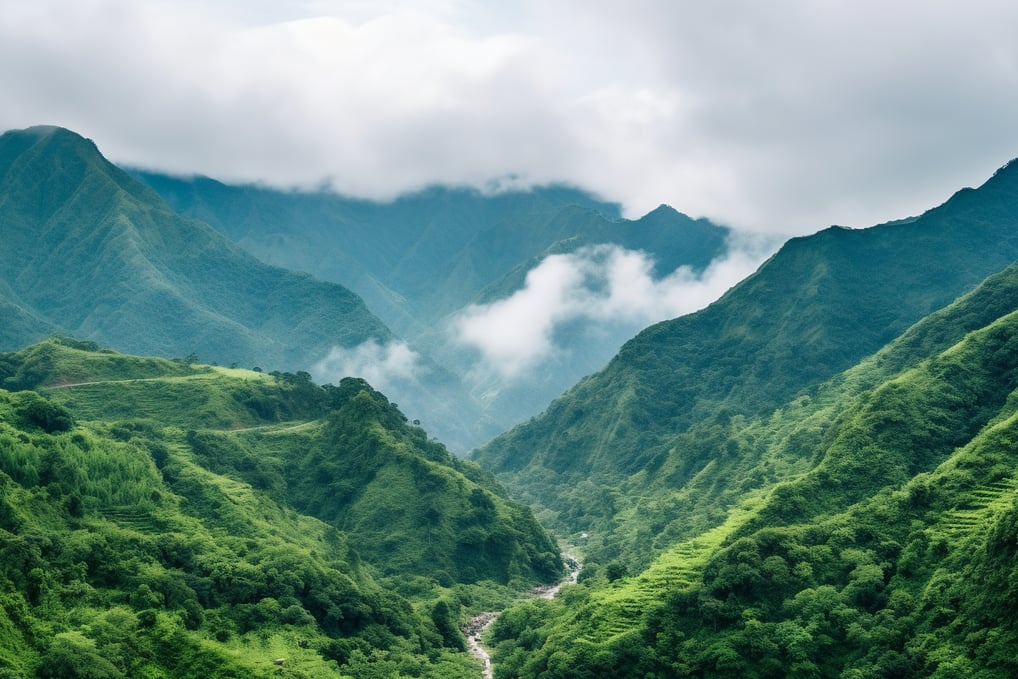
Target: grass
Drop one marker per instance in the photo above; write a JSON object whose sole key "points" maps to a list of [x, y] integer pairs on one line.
{"points": [[213, 398], [624, 603]]}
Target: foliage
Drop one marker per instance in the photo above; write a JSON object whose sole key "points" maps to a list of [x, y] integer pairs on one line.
{"points": [[869, 530], [92, 252], [424, 256], [676, 397], [409, 506], [141, 535]]}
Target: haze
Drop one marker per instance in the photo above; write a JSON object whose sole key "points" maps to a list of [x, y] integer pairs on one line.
{"points": [[779, 117]]}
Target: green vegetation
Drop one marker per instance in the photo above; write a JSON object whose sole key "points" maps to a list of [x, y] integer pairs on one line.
{"points": [[91, 252], [629, 452], [419, 258], [861, 530], [816, 476], [424, 255], [156, 520]]}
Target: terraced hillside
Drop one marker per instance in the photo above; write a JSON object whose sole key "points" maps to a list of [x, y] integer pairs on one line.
{"points": [[166, 518], [667, 404], [858, 557]]}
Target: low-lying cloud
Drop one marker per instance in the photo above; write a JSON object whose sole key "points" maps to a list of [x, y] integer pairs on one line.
{"points": [[384, 366], [775, 117], [601, 286]]}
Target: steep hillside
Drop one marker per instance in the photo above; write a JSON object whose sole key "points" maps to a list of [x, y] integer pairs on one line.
{"points": [[414, 259], [863, 530], [815, 308], [18, 324], [423, 258], [341, 453], [159, 518], [91, 252]]}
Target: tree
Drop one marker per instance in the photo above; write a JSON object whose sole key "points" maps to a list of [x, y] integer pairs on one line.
{"points": [[32, 410]]}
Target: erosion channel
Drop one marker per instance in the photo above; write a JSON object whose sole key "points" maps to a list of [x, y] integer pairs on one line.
{"points": [[476, 625]]}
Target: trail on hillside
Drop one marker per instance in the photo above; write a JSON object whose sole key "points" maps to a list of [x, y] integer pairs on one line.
{"points": [[87, 384]]}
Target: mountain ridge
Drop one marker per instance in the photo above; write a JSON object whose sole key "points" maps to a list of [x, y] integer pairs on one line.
{"points": [[165, 518], [424, 259], [843, 534], [817, 306], [135, 259]]}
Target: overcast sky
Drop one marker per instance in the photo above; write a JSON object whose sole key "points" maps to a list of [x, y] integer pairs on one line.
{"points": [[782, 116]]}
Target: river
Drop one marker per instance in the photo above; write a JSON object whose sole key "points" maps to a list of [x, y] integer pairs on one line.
{"points": [[477, 624]]}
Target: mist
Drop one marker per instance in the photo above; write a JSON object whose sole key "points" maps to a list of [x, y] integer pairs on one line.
{"points": [[600, 290], [386, 367]]}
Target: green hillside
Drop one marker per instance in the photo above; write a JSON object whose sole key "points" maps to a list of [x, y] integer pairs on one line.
{"points": [[160, 518], [91, 252], [414, 259], [422, 257], [815, 308], [866, 529], [17, 323]]}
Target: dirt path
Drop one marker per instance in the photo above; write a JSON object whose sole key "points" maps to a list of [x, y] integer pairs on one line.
{"points": [[63, 385]]}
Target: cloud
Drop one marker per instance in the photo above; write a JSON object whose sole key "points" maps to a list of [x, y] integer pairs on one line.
{"points": [[383, 366], [596, 287], [778, 117]]}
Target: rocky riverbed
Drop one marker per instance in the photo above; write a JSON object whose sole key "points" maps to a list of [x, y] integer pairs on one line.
{"points": [[476, 625]]}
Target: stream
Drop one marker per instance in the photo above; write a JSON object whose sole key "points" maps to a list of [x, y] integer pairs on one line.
{"points": [[476, 625]]}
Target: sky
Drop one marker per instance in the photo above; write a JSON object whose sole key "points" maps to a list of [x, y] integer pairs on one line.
{"points": [[778, 117]]}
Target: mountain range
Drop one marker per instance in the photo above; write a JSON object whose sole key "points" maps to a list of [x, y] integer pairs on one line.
{"points": [[164, 518], [813, 476], [814, 309], [809, 477], [171, 273], [93, 253], [422, 260]]}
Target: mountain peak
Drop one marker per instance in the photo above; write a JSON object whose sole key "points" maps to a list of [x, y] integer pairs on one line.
{"points": [[662, 210], [50, 132], [1007, 172], [41, 130], [91, 251]]}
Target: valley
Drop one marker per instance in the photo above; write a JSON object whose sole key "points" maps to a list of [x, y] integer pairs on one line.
{"points": [[816, 474], [475, 628]]}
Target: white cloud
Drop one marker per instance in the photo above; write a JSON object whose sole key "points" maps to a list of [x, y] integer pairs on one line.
{"points": [[602, 286], [780, 117], [383, 366]]}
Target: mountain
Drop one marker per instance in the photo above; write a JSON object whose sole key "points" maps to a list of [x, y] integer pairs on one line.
{"points": [[814, 309], [421, 260], [91, 252], [162, 518], [414, 260], [17, 324], [423, 256], [866, 528]]}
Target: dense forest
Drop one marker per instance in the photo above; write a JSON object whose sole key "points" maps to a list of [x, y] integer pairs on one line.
{"points": [[865, 528], [160, 518], [815, 476], [642, 431]]}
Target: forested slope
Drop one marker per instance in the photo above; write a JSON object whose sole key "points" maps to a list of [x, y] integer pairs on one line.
{"points": [[424, 255], [815, 308], [159, 518], [421, 260], [864, 529], [91, 252]]}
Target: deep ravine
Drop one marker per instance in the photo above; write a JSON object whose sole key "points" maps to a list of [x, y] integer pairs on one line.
{"points": [[476, 625]]}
